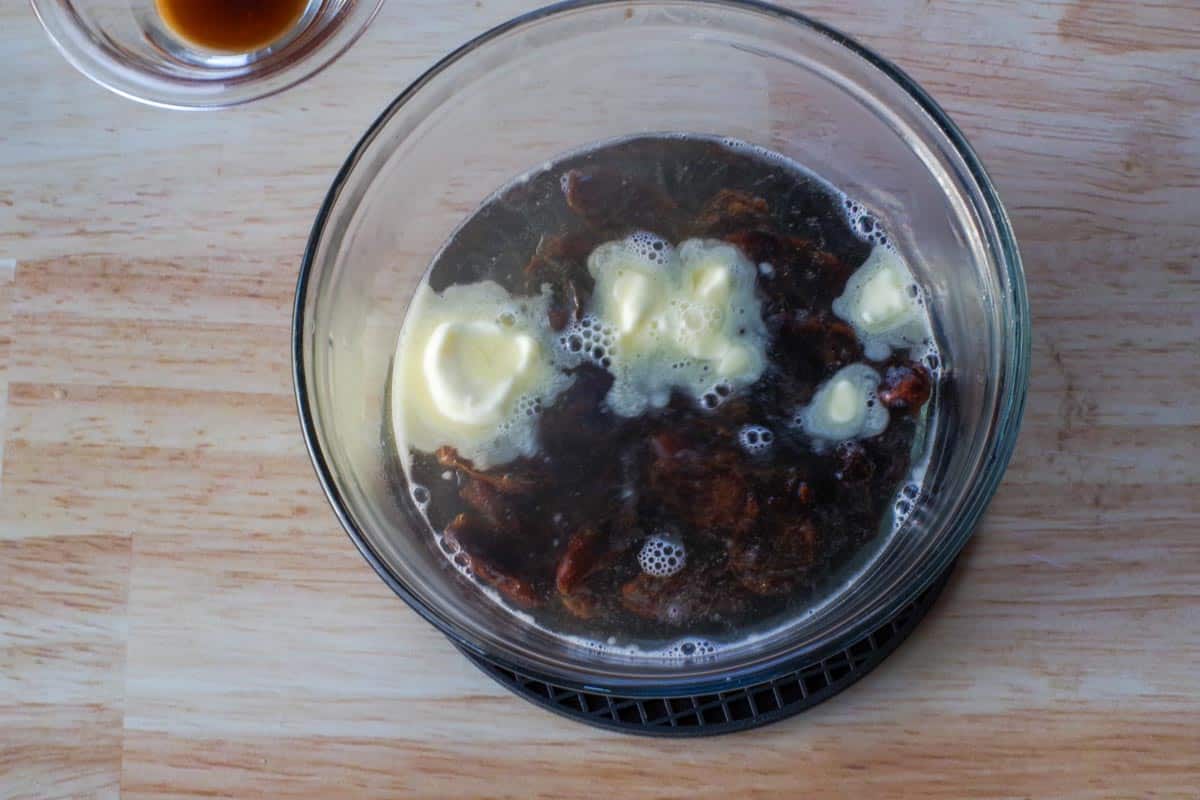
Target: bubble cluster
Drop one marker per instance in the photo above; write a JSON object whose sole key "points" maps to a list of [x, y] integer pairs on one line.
{"points": [[694, 318], [529, 405], [662, 556], [587, 339], [906, 502], [714, 397], [865, 224], [690, 648], [927, 353], [455, 555], [654, 249], [682, 650], [755, 439]]}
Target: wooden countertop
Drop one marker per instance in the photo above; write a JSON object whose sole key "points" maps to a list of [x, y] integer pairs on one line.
{"points": [[181, 616]]}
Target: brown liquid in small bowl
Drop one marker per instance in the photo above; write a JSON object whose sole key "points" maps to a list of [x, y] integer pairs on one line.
{"points": [[233, 26]]}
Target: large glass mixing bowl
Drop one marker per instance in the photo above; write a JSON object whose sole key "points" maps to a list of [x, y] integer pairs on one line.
{"points": [[576, 73]]}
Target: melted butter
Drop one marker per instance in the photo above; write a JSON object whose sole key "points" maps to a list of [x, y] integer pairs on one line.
{"points": [[844, 407], [473, 367], [685, 319], [883, 303]]}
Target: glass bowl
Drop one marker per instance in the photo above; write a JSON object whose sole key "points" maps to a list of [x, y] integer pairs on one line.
{"points": [[573, 74], [125, 46]]}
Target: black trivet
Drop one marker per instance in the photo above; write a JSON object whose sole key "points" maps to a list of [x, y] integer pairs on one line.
{"points": [[789, 693]]}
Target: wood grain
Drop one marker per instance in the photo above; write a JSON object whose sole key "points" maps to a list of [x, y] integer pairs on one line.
{"points": [[180, 615]]}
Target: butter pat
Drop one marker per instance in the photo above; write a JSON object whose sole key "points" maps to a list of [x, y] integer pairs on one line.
{"points": [[845, 407], [684, 319], [473, 367], [883, 303], [636, 296], [846, 401], [711, 281]]}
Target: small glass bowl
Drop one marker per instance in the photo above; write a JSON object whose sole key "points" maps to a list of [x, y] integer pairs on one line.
{"points": [[577, 73], [124, 45]]}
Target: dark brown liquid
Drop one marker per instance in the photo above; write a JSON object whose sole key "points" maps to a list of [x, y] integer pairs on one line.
{"points": [[766, 533], [234, 26]]}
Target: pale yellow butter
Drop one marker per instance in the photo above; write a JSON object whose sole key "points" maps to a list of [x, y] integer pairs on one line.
{"points": [[882, 302], [473, 365]]}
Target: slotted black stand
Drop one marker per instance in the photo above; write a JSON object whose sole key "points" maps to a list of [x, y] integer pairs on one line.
{"points": [[792, 691]]}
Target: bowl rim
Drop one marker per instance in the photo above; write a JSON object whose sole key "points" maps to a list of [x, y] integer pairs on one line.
{"points": [[995, 458], [294, 75]]}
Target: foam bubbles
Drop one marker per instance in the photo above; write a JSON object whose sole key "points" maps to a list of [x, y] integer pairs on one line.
{"points": [[587, 340], [864, 223], [717, 394], [910, 496], [755, 439], [686, 649], [457, 558], [652, 248], [528, 405], [662, 556]]}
